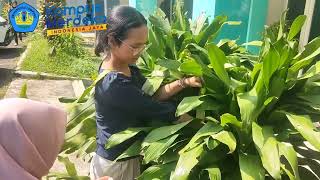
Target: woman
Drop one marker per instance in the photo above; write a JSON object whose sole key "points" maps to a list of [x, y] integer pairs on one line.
{"points": [[31, 135], [120, 102]]}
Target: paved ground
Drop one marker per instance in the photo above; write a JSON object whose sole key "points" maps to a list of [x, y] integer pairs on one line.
{"points": [[48, 91], [9, 56], [41, 90]]}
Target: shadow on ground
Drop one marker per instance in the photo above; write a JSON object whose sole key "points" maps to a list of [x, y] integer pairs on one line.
{"points": [[6, 76]]}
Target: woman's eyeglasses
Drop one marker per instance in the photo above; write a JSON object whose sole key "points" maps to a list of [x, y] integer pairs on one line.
{"points": [[135, 50]]}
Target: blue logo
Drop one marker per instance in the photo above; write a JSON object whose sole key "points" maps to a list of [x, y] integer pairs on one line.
{"points": [[24, 18]]}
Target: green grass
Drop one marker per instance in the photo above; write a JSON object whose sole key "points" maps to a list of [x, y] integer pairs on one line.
{"points": [[38, 59]]}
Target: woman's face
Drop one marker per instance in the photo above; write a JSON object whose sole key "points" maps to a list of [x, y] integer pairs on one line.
{"points": [[131, 48]]}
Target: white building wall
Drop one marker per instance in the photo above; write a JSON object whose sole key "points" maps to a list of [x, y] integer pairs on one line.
{"points": [[276, 7]]}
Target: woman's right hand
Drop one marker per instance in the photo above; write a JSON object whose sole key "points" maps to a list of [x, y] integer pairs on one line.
{"points": [[193, 81]]}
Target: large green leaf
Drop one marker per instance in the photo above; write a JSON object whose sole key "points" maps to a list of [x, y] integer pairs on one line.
{"points": [[199, 25], [159, 21], [226, 138], [251, 104], [89, 91], [79, 112], [77, 137], [268, 149], [191, 67], [156, 149], [157, 172], [70, 167], [122, 136], [188, 104], [157, 47], [230, 119], [172, 65], [313, 99], [253, 43], [290, 154], [285, 56], [282, 25], [233, 23], [211, 143], [217, 60], [250, 167], [214, 173], [87, 148], [23, 91], [312, 71], [186, 163], [180, 17], [133, 150], [209, 33], [248, 103], [164, 132], [311, 50], [270, 65], [295, 68], [151, 85], [208, 129], [296, 26], [306, 128], [87, 126]]}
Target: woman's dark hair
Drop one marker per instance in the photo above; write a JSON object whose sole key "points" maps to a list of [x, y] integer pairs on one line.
{"points": [[120, 21]]}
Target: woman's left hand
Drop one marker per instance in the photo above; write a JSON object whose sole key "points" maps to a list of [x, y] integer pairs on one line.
{"points": [[193, 81]]}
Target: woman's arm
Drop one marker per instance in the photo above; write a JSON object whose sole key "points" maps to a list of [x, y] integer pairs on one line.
{"points": [[167, 91]]}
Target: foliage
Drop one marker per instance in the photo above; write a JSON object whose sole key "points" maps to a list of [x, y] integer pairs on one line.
{"points": [[5, 9], [68, 43], [39, 59], [248, 117]]}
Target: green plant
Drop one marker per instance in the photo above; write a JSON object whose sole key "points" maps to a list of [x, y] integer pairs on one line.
{"points": [[71, 173], [68, 43], [5, 9], [76, 61], [153, 64], [248, 118]]}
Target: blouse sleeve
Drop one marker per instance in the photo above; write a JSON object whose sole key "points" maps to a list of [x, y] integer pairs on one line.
{"points": [[122, 93]]}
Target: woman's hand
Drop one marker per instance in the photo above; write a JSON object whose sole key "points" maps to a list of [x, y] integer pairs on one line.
{"points": [[185, 118], [168, 90], [193, 81]]}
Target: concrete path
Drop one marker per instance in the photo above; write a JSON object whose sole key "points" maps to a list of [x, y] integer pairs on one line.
{"points": [[42, 90], [48, 91], [9, 56]]}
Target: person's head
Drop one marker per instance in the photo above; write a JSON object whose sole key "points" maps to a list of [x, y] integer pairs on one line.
{"points": [[14, 3], [126, 35], [31, 135]]}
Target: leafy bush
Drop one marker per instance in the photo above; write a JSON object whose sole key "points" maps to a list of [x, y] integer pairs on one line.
{"points": [[62, 62], [248, 118], [69, 44], [5, 9]]}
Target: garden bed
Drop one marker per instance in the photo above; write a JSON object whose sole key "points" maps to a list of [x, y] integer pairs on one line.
{"points": [[61, 62]]}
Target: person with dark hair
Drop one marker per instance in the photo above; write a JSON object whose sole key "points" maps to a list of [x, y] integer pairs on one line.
{"points": [[14, 5], [119, 99]]}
